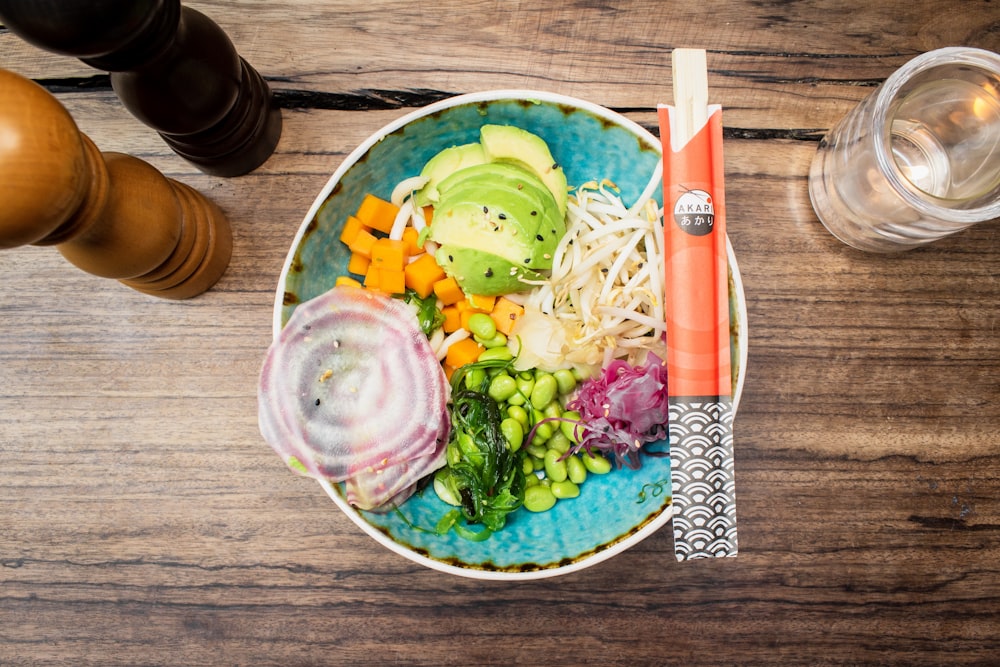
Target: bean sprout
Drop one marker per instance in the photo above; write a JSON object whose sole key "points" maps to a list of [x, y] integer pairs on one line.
{"points": [[606, 285]]}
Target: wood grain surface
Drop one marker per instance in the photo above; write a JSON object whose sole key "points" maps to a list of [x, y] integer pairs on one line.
{"points": [[144, 521]]}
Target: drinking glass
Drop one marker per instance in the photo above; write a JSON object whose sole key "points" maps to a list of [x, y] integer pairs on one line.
{"points": [[918, 159]]}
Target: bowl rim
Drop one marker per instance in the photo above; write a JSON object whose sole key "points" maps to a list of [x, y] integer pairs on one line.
{"points": [[348, 162]]}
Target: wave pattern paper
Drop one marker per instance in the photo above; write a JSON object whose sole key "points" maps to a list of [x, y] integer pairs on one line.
{"points": [[702, 478]]}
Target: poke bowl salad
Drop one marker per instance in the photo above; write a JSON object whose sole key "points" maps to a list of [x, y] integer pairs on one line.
{"points": [[469, 337]]}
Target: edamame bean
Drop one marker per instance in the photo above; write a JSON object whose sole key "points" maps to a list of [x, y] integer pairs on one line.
{"points": [[538, 451], [512, 431], [482, 325], [544, 390], [555, 469], [496, 353], [559, 442], [569, 426], [543, 431], [565, 381], [525, 385], [502, 387], [530, 480], [498, 340], [597, 464], [553, 409], [467, 445], [527, 467], [576, 471], [474, 379], [538, 498], [518, 413], [564, 489]]}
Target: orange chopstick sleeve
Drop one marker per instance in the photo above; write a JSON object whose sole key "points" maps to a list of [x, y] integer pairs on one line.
{"points": [[696, 263]]}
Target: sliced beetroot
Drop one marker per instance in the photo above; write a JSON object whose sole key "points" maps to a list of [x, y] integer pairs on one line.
{"points": [[351, 390], [391, 486]]}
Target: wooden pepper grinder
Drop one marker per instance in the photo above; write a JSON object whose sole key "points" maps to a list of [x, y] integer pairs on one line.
{"points": [[110, 214], [172, 67]]}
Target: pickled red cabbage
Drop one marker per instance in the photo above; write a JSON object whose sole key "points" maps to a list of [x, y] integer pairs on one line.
{"points": [[623, 409]]}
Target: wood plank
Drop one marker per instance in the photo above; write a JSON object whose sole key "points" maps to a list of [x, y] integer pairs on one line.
{"points": [[143, 520]]}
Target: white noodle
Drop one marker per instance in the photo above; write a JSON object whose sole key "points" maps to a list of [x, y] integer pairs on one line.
{"points": [[405, 189], [436, 339], [402, 220]]}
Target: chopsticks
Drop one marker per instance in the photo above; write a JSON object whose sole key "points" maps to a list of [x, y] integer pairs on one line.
{"points": [[690, 72], [697, 313]]}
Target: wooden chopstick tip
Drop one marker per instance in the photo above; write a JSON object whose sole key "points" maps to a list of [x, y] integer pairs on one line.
{"points": [[690, 83]]}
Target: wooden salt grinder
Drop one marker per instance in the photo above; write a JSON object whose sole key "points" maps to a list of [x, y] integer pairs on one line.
{"points": [[110, 214], [172, 67]]}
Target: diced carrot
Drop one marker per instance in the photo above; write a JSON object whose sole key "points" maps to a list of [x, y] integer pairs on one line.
{"points": [[448, 291], [377, 213], [391, 281], [448, 371], [483, 303], [358, 264], [452, 319], [410, 236], [351, 229], [346, 280], [363, 243], [422, 273], [505, 313], [463, 352], [390, 254], [372, 277], [428, 214]]}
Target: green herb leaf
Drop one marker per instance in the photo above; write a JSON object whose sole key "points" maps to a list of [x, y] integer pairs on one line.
{"points": [[428, 314]]}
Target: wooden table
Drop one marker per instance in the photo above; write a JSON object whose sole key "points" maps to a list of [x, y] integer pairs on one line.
{"points": [[143, 520]]}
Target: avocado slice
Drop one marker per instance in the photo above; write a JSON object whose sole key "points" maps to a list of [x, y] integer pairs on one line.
{"points": [[466, 225], [484, 273], [445, 163], [506, 143], [513, 202], [503, 174]]}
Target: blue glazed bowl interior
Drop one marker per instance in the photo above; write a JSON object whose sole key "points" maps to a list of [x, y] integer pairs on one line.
{"points": [[613, 511]]}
